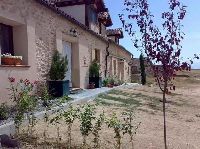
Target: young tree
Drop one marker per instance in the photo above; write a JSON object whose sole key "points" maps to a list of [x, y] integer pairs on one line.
{"points": [[142, 69], [86, 117], [161, 46], [70, 116]]}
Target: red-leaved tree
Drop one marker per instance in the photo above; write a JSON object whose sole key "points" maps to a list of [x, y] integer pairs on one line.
{"points": [[162, 45]]}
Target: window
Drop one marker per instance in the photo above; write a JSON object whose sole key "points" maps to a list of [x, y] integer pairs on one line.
{"points": [[93, 16], [6, 39], [97, 56], [115, 66], [117, 40]]}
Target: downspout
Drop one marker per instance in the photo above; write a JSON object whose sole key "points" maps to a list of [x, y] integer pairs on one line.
{"points": [[106, 58]]}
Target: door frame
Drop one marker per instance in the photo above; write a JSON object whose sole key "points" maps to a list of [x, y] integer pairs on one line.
{"points": [[62, 36]]}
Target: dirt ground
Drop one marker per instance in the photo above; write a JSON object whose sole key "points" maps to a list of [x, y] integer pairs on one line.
{"points": [[183, 117]]}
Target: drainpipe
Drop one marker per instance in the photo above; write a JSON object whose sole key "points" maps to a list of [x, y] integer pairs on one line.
{"points": [[107, 54]]}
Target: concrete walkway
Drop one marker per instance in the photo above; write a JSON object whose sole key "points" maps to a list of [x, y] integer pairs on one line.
{"points": [[90, 93], [83, 97]]}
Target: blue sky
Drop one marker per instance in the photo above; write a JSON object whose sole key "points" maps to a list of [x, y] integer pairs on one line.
{"points": [[191, 43]]}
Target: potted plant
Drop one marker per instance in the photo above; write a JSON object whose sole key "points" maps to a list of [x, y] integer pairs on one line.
{"points": [[91, 86], [105, 82], [18, 60], [94, 75], [57, 85], [111, 82], [8, 59]]}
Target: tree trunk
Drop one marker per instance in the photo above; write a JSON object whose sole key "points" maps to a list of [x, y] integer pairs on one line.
{"points": [[132, 143], [58, 137], [69, 136], [119, 143], [164, 114], [84, 142]]}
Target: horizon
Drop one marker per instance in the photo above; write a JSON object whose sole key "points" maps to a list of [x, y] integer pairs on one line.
{"points": [[191, 27]]}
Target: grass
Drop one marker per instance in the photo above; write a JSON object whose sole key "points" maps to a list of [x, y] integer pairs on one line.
{"points": [[131, 100], [134, 100], [119, 92]]}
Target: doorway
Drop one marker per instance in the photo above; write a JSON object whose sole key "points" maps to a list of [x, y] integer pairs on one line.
{"points": [[67, 50]]}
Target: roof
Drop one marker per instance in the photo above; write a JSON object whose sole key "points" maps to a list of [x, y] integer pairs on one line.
{"points": [[52, 7], [115, 32]]}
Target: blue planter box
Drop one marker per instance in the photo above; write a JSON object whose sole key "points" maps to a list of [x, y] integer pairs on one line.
{"points": [[58, 88]]}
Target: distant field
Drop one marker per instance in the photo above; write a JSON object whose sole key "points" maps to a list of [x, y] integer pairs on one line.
{"points": [[185, 78]]}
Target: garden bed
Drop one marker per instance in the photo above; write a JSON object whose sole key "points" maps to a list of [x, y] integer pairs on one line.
{"points": [[145, 101], [81, 97]]}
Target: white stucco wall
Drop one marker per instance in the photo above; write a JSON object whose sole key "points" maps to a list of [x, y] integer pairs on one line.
{"points": [[77, 12]]}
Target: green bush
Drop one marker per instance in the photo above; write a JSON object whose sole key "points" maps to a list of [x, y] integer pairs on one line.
{"points": [[86, 117], [4, 112], [111, 81], [105, 82], [94, 69], [22, 93], [58, 67]]}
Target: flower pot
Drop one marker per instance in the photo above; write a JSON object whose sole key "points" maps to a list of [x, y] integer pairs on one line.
{"points": [[91, 86], [11, 61], [110, 85], [7, 61], [58, 88], [18, 61], [96, 80]]}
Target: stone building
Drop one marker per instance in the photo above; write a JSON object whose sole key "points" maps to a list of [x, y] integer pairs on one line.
{"points": [[33, 29]]}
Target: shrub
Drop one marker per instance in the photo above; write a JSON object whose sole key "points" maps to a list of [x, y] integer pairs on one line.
{"points": [[117, 126], [97, 127], [105, 82], [111, 81], [4, 112], [70, 116], [86, 117], [45, 96], [22, 95], [128, 126], [94, 69], [58, 67], [55, 121]]}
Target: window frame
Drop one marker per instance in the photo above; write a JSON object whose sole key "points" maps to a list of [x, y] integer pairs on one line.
{"points": [[6, 45]]}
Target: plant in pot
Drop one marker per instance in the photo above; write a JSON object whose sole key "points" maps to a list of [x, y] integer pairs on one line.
{"points": [[8, 59], [111, 82], [91, 85], [105, 82], [94, 75], [58, 87]]}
